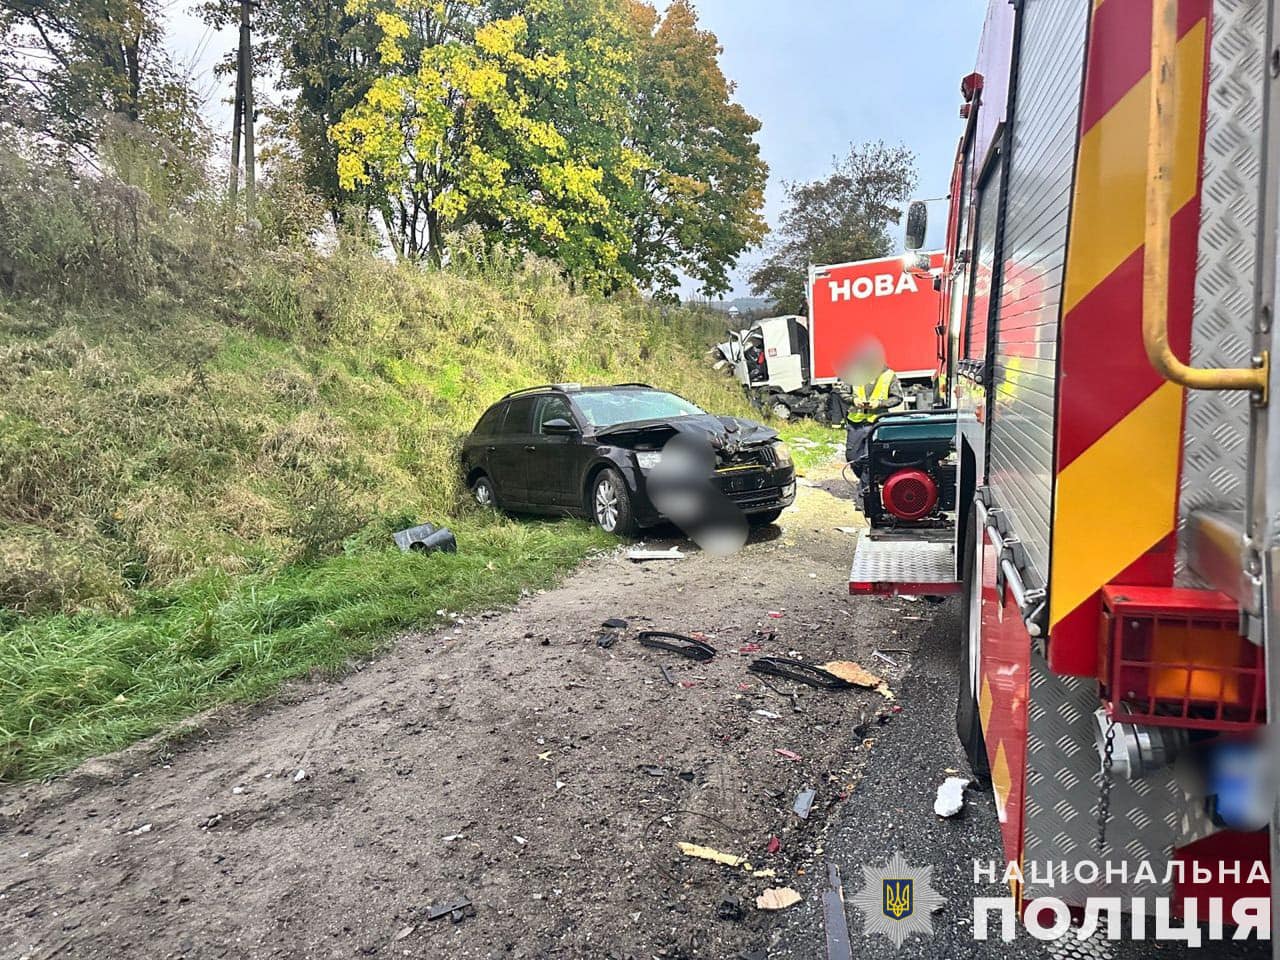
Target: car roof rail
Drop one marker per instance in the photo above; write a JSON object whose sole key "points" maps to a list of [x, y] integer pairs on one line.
{"points": [[541, 388], [636, 383]]}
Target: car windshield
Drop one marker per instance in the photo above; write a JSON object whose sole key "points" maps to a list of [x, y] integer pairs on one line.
{"points": [[605, 408]]}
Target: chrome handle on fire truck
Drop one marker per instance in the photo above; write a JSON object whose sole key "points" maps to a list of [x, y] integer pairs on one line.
{"points": [[1162, 125], [1030, 602]]}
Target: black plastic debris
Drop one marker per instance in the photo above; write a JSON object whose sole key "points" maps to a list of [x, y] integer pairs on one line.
{"points": [[615, 623], [834, 921], [800, 672], [677, 643], [455, 910], [426, 538], [730, 908]]}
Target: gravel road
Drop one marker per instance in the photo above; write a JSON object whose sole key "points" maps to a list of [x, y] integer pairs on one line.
{"points": [[513, 761]]}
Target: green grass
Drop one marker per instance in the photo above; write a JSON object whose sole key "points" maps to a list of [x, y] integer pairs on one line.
{"points": [[817, 443], [72, 686]]}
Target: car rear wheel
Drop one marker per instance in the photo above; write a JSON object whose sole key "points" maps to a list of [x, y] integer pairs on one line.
{"points": [[482, 492], [780, 410], [611, 504]]}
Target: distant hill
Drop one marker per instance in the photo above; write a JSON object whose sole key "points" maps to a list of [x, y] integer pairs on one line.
{"points": [[749, 308], [744, 305]]}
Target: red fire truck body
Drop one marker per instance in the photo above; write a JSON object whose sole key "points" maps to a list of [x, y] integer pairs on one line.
{"points": [[1116, 514]]}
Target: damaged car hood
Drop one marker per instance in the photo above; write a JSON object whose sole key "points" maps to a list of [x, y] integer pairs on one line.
{"points": [[725, 434]]}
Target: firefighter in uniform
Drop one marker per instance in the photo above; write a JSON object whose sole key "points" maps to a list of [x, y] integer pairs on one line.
{"points": [[875, 392]]}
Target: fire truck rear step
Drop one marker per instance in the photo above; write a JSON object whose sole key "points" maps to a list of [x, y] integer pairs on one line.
{"points": [[903, 566]]}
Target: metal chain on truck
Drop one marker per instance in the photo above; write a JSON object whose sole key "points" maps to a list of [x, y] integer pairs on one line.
{"points": [[1104, 797]]}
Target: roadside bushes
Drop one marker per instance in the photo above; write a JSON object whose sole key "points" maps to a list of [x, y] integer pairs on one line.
{"points": [[74, 237]]}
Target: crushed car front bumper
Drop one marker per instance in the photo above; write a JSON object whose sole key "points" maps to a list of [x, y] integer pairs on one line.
{"points": [[758, 490]]}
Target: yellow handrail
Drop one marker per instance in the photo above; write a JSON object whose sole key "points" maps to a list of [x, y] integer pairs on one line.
{"points": [[1162, 120]]}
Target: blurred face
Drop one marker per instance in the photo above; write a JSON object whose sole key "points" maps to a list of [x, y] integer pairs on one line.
{"points": [[867, 365], [863, 363]]}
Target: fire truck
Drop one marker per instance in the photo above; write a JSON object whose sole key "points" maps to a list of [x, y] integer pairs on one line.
{"points": [[1109, 284]]}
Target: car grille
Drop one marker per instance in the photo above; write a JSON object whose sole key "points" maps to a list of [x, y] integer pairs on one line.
{"points": [[748, 457], [756, 498]]}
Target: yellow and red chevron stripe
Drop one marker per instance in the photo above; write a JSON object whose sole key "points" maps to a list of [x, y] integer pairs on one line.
{"points": [[1119, 424]]}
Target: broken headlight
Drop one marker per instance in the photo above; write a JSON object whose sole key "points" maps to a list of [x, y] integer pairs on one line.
{"points": [[781, 453], [648, 459]]}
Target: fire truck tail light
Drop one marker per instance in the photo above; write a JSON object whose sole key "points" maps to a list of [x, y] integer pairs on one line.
{"points": [[1175, 657]]}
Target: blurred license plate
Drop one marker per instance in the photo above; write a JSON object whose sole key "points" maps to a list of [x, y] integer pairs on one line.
{"points": [[740, 483]]}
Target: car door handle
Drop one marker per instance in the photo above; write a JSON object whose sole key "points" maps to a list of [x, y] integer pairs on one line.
{"points": [[491, 449], [530, 447]]}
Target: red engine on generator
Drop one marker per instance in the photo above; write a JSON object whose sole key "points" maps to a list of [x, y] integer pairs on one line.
{"points": [[910, 494]]}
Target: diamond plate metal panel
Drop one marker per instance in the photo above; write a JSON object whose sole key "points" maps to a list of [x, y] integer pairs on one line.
{"points": [[1069, 948], [1149, 817], [902, 561], [1217, 422]]}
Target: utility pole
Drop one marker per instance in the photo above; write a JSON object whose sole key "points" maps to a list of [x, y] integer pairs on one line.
{"points": [[246, 67], [235, 128], [242, 124]]}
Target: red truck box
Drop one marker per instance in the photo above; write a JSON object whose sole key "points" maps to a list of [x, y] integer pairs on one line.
{"points": [[850, 303]]}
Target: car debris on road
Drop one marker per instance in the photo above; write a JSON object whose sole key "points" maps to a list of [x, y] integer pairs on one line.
{"points": [[716, 856], [834, 920], [800, 672], [853, 673], [690, 647], [730, 908], [455, 910], [950, 799], [778, 898], [804, 803], [640, 554]]}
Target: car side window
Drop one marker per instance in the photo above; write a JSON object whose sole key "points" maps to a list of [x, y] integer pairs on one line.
{"points": [[491, 422], [551, 408], [520, 416]]}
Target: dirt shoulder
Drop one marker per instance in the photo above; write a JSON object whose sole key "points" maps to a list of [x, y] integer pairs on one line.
{"points": [[508, 759]]}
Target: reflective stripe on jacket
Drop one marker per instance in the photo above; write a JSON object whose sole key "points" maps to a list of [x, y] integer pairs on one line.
{"points": [[859, 412]]}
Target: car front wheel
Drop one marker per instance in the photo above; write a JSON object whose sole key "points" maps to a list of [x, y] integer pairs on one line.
{"points": [[482, 492], [611, 504]]}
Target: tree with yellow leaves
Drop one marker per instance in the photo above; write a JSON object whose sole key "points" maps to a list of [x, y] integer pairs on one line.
{"points": [[589, 131]]}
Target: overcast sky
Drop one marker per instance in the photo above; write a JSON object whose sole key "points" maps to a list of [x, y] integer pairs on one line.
{"points": [[820, 74]]}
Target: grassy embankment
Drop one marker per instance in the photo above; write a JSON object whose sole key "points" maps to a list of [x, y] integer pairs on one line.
{"points": [[196, 497]]}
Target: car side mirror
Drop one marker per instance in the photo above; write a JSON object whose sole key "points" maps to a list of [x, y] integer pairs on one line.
{"points": [[917, 224], [559, 427]]}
